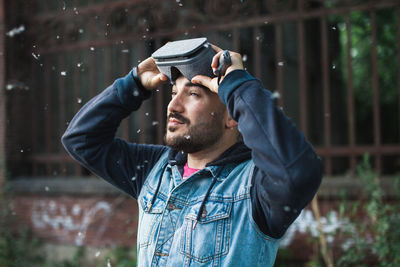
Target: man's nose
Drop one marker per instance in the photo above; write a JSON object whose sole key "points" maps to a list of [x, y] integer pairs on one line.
{"points": [[176, 104]]}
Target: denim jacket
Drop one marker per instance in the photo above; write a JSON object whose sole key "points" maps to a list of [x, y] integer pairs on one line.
{"points": [[231, 213]]}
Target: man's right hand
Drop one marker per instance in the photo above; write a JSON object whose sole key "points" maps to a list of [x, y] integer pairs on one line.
{"points": [[149, 75]]}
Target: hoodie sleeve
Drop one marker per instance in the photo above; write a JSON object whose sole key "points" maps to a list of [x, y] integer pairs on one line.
{"points": [[288, 172], [90, 137]]}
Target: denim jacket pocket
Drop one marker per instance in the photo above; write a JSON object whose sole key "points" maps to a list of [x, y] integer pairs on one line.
{"points": [[149, 219], [210, 237]]}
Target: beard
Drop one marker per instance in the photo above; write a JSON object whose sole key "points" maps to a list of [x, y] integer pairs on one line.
{"points": [[197, 137]]}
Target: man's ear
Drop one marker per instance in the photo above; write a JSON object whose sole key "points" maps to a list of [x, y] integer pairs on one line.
{"points": [[230, 123]]}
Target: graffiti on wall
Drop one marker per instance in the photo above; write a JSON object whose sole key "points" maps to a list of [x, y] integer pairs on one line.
{"points": [[75, 221], [68, 221]]}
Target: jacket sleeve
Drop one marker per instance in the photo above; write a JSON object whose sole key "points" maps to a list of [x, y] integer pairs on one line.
{"points": [[287, 170], [90, 137]]}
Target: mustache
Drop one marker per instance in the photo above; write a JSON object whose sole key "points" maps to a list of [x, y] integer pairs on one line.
{"points": [[178, 117]]}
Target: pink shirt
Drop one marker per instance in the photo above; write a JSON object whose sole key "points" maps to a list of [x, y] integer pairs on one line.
{"points": [[188, 171]]}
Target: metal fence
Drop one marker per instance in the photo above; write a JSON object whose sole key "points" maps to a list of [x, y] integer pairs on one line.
{"points": [[328, 81]]}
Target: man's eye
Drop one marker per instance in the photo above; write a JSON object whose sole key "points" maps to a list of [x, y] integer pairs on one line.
{"points": [[194, 94], [173, 94]]}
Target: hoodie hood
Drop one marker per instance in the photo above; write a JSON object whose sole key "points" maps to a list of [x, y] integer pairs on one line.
{"points": [[237, 153]]}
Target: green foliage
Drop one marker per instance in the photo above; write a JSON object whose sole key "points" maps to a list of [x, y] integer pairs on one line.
{"points": [[376, 236], [386, 49], [369, 234], [76, 261], [17, 246], [122, 257], [283, 258], [362, 59], [19, 249]]}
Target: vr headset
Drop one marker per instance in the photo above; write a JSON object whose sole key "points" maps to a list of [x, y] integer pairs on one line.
{"points": [[189, 57]]}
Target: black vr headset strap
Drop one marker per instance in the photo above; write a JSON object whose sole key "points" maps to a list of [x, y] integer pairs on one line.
{"points": [[224, 62]]}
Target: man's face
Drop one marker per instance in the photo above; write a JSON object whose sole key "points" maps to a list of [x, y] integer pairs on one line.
{"points": [[195, 117]]}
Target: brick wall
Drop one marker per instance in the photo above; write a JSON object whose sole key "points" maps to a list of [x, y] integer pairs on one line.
{"points": [[110, 221], [77, 211], [99, 221]]}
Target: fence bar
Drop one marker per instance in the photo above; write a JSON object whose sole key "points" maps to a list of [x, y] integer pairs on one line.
{"points": [[107, 63], [35, 107], [160, 116], [392, 149], [61, 93], [76, 77], [236, 38], [253, 21], [2, 97], [62, 98], [398, 65], [143, 110], [256, 22], [375, 88], [92, 60], [46, 7], [278, 60], [47, 109], [47, 158], [34, 74], [257, 52], [125, 69], [76, 91], [302, 73], [160, 113], [326, 93], [350, 97]]}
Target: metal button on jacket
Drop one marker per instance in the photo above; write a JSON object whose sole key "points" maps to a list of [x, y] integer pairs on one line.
{"points": [[172, 206]]}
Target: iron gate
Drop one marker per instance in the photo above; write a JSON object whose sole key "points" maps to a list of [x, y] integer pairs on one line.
{"points": [[304, 50]]}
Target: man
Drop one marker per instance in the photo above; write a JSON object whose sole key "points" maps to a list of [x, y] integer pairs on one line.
{"points": [[207, 198]]}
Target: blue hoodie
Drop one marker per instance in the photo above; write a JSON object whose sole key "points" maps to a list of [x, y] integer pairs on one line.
{"points": [[243, 200]]}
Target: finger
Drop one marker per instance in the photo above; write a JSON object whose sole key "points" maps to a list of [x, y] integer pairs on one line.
{"points": [[157, 80], [215, 60], [148, 62], [216, 48], [206, 81], [147, 65], [202, 80], [162, 77]]}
